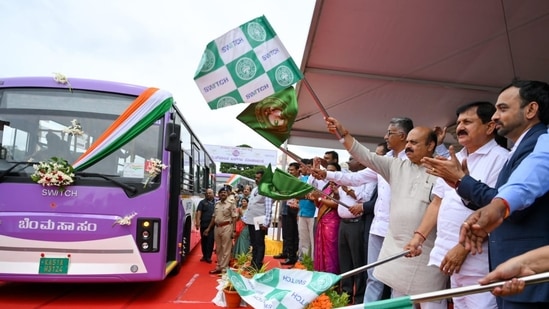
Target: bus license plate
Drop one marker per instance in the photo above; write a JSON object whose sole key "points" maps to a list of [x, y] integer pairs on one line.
{"points": [[54, 266]]}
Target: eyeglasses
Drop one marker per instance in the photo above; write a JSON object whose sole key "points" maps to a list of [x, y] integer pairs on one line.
{"points": [[389, 133]]}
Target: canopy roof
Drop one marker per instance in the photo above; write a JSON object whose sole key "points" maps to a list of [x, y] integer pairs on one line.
{"points": [[370, 60]]}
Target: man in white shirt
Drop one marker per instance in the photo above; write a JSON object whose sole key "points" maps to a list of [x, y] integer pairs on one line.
{"points": [[351, 234], [475, 131]]}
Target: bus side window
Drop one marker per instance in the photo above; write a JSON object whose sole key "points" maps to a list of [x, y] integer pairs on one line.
{"points": [[186, 182]]}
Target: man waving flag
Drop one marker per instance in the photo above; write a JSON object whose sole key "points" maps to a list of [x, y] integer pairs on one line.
{"points": [[245, 65]]}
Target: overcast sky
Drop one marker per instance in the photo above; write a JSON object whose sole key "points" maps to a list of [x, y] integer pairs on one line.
{"points": [[151, 43]]}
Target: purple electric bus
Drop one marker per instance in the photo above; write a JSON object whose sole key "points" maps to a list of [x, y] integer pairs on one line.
{"points": [[119, 218]]}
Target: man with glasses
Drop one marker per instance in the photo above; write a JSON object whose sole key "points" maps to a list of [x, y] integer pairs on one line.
{"points": [[396, 141]]}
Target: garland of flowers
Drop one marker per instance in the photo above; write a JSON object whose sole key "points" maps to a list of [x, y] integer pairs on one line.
{"points": [[74, 129], [55, 172], [154, 169], [62, 79]]}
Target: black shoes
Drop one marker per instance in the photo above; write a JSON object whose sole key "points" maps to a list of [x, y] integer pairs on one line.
{"points": [[288, 262], [209, 261], [280, 256]]}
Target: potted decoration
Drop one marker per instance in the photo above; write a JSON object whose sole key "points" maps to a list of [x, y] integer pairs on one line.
{"points": [[232, 298], [239, 264]]}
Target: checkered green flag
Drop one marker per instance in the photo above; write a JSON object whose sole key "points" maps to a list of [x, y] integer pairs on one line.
{"points": [[282, 288], [245, 65]]}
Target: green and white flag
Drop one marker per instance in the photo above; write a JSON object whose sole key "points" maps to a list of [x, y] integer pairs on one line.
{"points": [[281, 185], [273, 116], [282, 288], [245, 65]]}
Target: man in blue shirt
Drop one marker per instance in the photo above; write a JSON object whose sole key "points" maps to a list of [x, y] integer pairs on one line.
{"points": [[305, 224]]}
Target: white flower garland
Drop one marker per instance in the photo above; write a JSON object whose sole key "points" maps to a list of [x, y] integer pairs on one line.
{"points": [[126, 220], [62, 79], [55, 172], [154, 169], [74, 129]]}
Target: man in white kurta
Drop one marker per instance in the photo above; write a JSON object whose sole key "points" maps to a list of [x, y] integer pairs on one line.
{"points": [[484, 164], [395, 138], [485, 158], [410, 195]]}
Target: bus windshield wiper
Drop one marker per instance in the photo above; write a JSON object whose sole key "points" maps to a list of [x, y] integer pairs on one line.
{"points": [[122, 185], [16, 164]]}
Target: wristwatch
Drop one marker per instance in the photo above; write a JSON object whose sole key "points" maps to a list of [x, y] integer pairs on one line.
{"points": [[458, 182]]}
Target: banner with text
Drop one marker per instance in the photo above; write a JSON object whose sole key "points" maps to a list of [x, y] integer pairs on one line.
{"points": [[242, 155]]}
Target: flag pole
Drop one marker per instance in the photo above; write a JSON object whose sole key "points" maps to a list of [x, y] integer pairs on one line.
{"points": [[374, 264], [317, 101], [290, 154], [477, 288], [332, 199], [407, 301], [298, 159]]}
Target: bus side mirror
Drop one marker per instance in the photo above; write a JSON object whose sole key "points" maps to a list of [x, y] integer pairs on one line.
{"points": [[173, 134]]}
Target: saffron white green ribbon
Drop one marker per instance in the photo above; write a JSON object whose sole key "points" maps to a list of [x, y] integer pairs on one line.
{"points": [[141, 114]]}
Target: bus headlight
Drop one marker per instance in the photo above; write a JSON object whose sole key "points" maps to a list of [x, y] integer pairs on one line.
{"points": [[148, 234]]}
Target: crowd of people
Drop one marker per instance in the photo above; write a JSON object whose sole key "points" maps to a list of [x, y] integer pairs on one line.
{"points": [[464, 217], [227, 225]]}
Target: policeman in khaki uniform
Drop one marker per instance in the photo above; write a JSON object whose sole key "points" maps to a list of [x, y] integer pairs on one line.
{"points": [[224, 219]]}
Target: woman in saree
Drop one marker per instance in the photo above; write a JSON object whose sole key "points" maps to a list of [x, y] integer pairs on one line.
{"points": [[326, 257], [242, 243]]}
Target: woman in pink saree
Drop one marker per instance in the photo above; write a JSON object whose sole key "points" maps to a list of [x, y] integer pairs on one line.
{"points": [[326, 257]]}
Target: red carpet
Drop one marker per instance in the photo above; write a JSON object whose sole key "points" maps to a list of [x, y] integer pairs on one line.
{"points": [[193, 287]]}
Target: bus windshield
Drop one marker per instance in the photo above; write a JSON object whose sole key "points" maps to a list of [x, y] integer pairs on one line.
{"points": [[41, 123]]}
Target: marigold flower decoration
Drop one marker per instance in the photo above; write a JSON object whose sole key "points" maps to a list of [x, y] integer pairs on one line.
{"points": [[153, 168], [330, 299], [55, 172]]}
